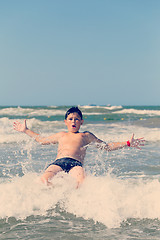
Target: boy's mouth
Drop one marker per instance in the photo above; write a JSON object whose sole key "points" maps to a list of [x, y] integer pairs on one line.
{"points": [[73, 126]]}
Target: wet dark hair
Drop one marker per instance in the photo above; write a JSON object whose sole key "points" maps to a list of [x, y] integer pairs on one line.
{"points": [[73, 110]]}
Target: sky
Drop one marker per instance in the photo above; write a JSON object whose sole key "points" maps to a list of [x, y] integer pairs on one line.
{"points": [[79, 52]]}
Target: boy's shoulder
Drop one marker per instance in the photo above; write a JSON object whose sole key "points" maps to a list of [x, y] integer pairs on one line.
{"points": [[60, 134], [88, 133]]}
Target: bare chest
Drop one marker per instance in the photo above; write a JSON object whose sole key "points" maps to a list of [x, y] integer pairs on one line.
{"points": [[73, 140]]}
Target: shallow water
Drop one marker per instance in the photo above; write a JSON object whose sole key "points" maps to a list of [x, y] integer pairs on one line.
{"points": [[120, 196]]}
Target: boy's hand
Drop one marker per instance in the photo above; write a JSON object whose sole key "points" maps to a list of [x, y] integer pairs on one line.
{"points": [[20, 127], [136, 142]]}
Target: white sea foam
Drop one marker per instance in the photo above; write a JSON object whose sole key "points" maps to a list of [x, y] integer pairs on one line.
{"points": [[106, 199], [19, 111], [100, 107], [139, 112], [111, 201]]}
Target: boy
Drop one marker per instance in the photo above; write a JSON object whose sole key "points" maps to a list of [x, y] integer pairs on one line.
{"points": [[72, 146]]}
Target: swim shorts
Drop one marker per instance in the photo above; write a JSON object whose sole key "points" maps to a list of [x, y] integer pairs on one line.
{"points": [[66, 163]]}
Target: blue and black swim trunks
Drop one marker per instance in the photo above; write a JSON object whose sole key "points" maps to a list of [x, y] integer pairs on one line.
{"points": [[66, 163]]}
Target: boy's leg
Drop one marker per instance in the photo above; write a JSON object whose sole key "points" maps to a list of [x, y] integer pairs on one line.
{"points": [[78, 173], [49, 173]]}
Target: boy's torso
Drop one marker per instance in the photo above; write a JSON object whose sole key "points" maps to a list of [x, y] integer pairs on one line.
{"points": [[72, 145]]}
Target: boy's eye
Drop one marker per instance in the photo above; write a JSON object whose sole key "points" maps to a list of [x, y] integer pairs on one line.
{"points": [[76, 119]]}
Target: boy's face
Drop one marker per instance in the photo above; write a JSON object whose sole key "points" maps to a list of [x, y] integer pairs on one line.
{"points": [[73, 122]]}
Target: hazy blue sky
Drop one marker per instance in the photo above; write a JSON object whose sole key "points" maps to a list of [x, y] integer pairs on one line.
{"points": [[68, 52]]}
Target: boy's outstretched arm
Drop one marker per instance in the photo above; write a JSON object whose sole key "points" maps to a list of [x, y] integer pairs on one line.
{"points": [[22, 127], [137, 143]]}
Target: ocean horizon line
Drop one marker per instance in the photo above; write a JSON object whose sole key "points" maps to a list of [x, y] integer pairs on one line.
{"points": [[81, 105]]}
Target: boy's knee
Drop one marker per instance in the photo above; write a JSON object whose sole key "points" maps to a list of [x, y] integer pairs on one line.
{"points": [[45, 180]]}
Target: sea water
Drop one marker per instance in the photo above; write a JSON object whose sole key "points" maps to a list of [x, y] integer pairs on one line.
{"points": [[120, 197]]}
